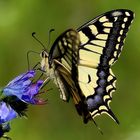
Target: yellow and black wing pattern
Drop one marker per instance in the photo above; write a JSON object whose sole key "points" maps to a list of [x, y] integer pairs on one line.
{"points": [[83, 60], [65, 49], [102, 40], [64, 56]]}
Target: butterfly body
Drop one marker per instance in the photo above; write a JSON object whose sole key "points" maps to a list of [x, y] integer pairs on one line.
{"points": [[80, 61], [52, 74]]}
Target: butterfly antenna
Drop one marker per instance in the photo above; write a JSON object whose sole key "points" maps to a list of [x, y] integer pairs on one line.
{"points": [[34, 36], [50, 31], [28, 60]]}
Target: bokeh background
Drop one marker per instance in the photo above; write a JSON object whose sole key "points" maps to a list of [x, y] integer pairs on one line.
{"points": [[59, 120]]}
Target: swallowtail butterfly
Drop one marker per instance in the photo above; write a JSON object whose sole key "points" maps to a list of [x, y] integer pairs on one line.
{"points": [[80, 61]]}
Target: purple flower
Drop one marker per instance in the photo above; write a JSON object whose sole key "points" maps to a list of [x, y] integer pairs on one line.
{"points": [[6, 113], [24, 89]]}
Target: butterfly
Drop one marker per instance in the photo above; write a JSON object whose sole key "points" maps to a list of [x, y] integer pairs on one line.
{"points": [[80, 62]]}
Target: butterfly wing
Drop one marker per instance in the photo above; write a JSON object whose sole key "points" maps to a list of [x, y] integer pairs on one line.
{"points": [[101, 44], [83, 58], [64, 49], [63, 56]]}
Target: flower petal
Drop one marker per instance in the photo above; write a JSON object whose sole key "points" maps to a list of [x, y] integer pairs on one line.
{"points": [[22, 77], [6, 113], [23, 88], [33, 90]]}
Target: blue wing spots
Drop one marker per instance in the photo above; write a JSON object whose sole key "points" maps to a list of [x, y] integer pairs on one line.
{"points": [[93, 102], [101, 73], [102, 82], [100, 90]]}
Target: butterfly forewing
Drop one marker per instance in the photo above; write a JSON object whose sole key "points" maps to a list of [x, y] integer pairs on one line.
{"points": [[102, 38], [65, 49]]}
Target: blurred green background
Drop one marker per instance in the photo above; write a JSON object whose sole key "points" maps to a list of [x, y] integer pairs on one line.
{"points": [[59, 120]]}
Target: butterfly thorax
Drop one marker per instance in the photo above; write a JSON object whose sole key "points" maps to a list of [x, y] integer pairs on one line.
{"points": [[45, 67], [51, 71]]}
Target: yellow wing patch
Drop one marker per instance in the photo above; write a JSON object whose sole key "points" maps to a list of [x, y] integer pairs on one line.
{"points": [[87, 80]]}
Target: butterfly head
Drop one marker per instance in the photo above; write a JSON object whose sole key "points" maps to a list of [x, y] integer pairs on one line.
{"points": [[44, 62], [45, 65], [44, 54]]}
